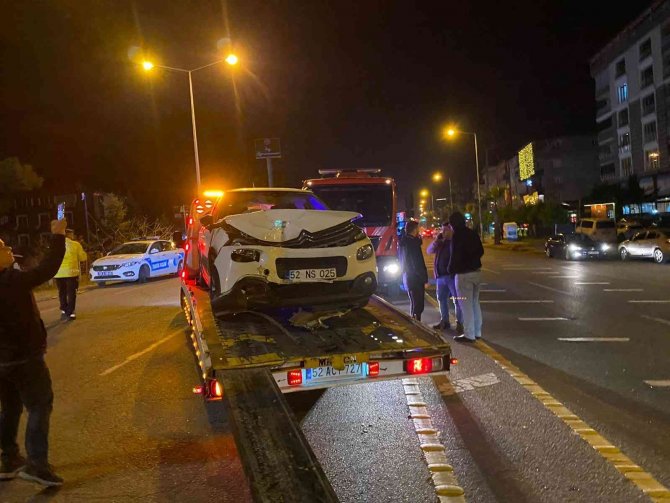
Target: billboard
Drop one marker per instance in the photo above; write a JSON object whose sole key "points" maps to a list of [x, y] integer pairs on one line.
{"points": [[526, 162], [267, 148]]}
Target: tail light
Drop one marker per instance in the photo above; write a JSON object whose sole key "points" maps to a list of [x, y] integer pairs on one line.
{"points": [[215, 390], [183, 274], [294, 377], [453, 361], [419, 365], [190, 220], [198, 390], [373, 369], [187, 246]]}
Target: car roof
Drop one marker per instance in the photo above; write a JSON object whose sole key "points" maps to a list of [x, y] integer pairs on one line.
{"points": [[143, 241]]}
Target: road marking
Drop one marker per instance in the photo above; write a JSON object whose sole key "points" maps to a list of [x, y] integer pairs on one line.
{"points": [[623, 289], [659, 320], [592, 282], [545, 272], [479, 381], [664, 383], [649, 301], [135, 356], [594, 339], [489, 270], [543, 319], [550, 288], [611, 453], [493, 291], [435, 453], [564, 277], [516, 301], [524, 268]]}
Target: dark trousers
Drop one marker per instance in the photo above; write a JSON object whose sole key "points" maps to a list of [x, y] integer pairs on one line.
{"points": [[67, 293], [416, 299], [26, 385]]}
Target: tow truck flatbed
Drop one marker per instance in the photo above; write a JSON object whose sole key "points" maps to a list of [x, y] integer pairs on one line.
{"points": [[373, 343]]}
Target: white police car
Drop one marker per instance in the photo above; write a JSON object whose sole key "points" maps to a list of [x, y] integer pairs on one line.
{"points": [[138, 261]]}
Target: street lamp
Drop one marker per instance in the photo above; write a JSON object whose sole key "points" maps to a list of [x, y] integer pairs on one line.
{"points": [[450, 133], [437, 178], [425, 193], [231, 59]]}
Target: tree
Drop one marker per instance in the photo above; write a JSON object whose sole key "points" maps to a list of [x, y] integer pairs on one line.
{"points": [[14, 178], [494, 195]]}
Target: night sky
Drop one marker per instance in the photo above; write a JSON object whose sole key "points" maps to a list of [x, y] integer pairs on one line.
{"points": [[343, 84]]}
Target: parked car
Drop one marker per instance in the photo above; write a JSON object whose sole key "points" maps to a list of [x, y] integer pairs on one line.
{"points": [[598, 229], [138, 261], [626, 229], [267, 248], [575, 246], [652, 243]]}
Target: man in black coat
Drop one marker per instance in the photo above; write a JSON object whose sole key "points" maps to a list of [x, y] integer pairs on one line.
{"points": [[465, 263], [24, 376], [414, 272]]}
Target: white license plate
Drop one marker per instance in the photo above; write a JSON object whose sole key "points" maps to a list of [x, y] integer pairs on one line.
{"points": [[307, 275], [105, 273], [319, 373]]}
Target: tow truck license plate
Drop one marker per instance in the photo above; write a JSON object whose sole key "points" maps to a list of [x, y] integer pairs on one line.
{"points": [[318, 373], [307, 275]]}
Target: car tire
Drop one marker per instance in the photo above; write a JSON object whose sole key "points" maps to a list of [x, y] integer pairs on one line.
{"points": [[623, 253], [143, 275], [659, 256]]}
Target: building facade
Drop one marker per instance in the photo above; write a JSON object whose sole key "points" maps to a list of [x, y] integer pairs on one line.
{"points": [[632, 91]]}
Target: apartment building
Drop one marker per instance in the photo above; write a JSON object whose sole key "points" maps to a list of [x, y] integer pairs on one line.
{"points": [[632, 91]]}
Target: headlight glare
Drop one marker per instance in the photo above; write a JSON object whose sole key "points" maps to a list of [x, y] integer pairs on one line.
{"points": [[365, 252], [393, 268]]}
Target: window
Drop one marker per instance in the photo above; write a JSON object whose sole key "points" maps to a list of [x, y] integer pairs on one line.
{"points": [[558, 180], [22, 221], [607, 170], [155, 248], [586, 224], [639, 235], [649, 132], [620, 68], [24, 240], [69, 216], [648, 104], [624, 142], [605, 224], [626, 167], [645, 49], [651, 159], [651, 235], [623, 117], [601, 104], [606, 124], [622, 93], [646, 77], [43, 219]]}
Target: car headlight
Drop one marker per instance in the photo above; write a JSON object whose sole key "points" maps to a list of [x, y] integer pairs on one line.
{"points": [[130, 264], [365, 252], [392, 268], [605, 246], [573, 247], [245, 255]]}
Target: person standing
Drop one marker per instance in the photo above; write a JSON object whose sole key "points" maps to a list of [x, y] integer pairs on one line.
{"points": [[24, 376], [445, 282], [414, 272], [465, 264], [67, 277]]}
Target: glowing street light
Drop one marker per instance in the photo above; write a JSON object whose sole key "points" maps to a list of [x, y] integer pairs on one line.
{"points": [[424, 193], [437, 177], [147, 65], [231, 59]]}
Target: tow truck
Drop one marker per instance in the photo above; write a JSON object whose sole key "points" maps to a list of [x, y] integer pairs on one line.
{"points": [[374, 196], [250, 359]]}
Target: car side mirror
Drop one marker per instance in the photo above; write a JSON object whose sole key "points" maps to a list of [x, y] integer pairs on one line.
{"points": [[153, 250], [206, 220]]}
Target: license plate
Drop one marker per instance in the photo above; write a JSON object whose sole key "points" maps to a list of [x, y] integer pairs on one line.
{"points": [[105, 273], [318, 373], [307, 275]]}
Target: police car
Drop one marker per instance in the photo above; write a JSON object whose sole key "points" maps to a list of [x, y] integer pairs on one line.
{"points": [[138, 260]]}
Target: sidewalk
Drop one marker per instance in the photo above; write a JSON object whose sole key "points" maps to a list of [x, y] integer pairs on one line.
{"points": [[529, 245], [49, 291]]}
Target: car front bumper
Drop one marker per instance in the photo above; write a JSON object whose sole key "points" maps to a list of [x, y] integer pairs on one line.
{"points": [[122, 274]]}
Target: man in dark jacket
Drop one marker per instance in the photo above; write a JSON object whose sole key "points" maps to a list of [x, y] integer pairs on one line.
{"points": [[414, 272], [465, 263], [445, 282], [24, 376]]}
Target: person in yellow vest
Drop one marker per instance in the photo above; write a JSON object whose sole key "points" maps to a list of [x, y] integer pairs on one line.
{"points": [[67, 277]]}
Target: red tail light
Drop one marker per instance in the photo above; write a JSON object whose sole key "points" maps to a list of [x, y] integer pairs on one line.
{"points": [[453, 361], [190, 220], [215, 390], [198, 390], [183, 274], [187, 246], [373, 369], [419, 365], [294, 377]]}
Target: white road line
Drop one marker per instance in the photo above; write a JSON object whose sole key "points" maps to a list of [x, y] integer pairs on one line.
{"points": [[649, 301], [511, 269], [663, 383], [546, 272], [516, 301], [592, 282], [623, 289], [543, 319], [594, 339], [492, 291], [659, 320], [549, 288], [135, 356], [489, 270], [563, 277]]}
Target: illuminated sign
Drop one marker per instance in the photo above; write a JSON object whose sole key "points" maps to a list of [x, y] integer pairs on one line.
{"points": [[526, 162], [531, 199]]}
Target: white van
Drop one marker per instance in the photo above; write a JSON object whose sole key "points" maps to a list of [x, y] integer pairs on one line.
{"points": [[510, 231], [598, 229]]}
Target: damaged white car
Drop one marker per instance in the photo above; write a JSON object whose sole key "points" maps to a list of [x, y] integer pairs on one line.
{"points": [[267, 248]]}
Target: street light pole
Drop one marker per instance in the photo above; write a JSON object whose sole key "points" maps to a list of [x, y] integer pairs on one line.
{"points": [[451, 199], [195, 134], [479, 195]]}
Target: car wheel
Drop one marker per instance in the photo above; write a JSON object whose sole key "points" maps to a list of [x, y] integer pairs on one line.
{"points": [[659, 257], [143, 274], [547, 252], [623, 253]]}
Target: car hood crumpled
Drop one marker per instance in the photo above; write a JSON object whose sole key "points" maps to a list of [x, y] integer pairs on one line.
{"points": [[276, 226]]}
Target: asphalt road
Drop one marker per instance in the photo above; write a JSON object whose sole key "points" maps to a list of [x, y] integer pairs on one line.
{"points": [[127, 427]]}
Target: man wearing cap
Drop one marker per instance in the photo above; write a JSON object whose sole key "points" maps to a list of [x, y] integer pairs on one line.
{"points": [[67, 277]]}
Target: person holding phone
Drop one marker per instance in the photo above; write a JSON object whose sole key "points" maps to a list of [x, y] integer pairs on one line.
{"points": [[24, 376], [445, 282], [67, 277]]}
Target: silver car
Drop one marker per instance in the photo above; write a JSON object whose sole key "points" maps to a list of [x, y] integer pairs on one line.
{"points": [[650, 243]]}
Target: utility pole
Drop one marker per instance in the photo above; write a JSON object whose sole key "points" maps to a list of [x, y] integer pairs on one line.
{"points": [[268, 161]]}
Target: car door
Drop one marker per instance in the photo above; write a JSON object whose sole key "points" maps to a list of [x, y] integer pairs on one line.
{"points": [[633, 247], [173, 255], [648, 244], [155, 259]]}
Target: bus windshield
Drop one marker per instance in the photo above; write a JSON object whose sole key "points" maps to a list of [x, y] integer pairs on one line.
{"points": [[374, 202]]}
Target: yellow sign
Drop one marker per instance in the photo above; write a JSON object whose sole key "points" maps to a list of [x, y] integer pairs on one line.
{"points": [[531, 199], [526, 162]]}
